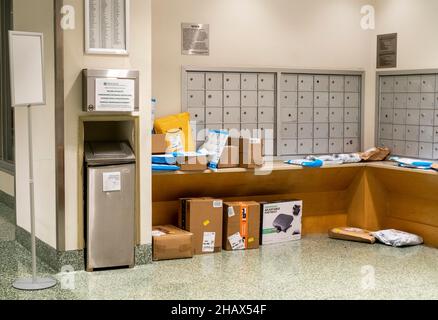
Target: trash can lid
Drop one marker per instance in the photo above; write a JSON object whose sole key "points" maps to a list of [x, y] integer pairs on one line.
{"points": [[101, 153]]}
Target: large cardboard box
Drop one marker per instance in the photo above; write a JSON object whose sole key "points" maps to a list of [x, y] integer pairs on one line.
{"points": [[159, 144], [251, 153], [281, 221], [229, 158], [241, 226], [204, 218], [169, 242]]}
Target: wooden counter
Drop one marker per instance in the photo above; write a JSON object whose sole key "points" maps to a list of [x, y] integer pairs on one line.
{"points": [[367, 195]]}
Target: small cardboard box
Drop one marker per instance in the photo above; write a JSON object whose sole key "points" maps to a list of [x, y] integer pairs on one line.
{"points": [[251, 153], [281, 221], [230, 157], [241, 225], [204, 218], [170, 242], [192, 162], [159, 144]]}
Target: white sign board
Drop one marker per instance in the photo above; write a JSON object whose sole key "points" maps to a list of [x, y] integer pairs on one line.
{"points": [[106, 26], [26, 52], [115, 95]]}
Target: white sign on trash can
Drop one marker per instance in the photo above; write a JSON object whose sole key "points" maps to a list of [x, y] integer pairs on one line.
{"points": [[112, 181]]}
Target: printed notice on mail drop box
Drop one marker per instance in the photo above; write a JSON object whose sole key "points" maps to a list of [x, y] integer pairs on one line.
{"points": [[115, 95]]}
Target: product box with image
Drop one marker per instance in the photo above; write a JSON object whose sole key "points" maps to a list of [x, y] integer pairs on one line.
{"points": [[241, 225], [281, 221], [203, 217]]}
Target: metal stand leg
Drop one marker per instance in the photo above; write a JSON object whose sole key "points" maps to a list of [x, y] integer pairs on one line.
{"points": [[34, 283]]}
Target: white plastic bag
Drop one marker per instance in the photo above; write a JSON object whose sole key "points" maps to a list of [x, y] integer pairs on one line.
{"points": [[214, 147], [397, 238]]}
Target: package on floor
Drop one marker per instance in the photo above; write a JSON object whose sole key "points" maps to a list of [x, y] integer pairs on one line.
{"points": [[241, 225], [352, 234], [397, 238], [204, 218], [169, 242], [281, 221]]}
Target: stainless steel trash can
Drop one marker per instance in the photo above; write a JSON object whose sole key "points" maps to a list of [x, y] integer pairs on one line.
{"points": [[110, 205]]}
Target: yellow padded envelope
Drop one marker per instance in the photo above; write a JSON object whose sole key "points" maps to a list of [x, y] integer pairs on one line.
{"points": [[178, 121]]}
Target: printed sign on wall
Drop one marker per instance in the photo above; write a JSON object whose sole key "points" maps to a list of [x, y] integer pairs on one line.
{"points": [[387, 51], [106, 26], [195, 39]]}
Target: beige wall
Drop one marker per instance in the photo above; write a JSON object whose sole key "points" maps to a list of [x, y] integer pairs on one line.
{"points": [[37, 16], [416, 23], [75, 61], [323, 34], [7, 183]]}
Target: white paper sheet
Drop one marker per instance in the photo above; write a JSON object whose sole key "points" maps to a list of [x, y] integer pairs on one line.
{"points": [[112, 181]]}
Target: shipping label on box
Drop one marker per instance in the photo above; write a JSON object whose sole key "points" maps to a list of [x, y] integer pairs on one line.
{"points": [[281, 221]]}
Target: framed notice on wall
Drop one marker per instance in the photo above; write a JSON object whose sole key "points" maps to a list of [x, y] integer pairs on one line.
{"points": [[195, 39], [107, 27], [387, 51]]}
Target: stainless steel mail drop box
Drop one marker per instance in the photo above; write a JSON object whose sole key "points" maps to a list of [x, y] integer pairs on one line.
{"points": [[110, 91], [110, 205]]}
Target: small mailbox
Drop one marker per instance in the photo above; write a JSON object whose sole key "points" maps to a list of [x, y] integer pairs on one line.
{"points": [[110, 90]]}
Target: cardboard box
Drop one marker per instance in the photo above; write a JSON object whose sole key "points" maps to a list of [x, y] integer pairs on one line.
{"points": [[204, 218], [159, 144], [241, 225], [230, 157], [251, 153], [281, 221], [192, 162], [169, 242], [234, 142], [182, 207]]}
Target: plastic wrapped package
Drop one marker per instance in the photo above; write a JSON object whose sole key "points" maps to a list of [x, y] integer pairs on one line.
{"points": [[413, 163], [214, 146], [396, 238]]}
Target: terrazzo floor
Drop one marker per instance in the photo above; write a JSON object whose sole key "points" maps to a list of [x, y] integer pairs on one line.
{"points": [[314, 268]]}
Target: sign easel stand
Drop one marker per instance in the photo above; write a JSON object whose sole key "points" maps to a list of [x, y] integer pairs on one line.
{"points": [[26, 53]]}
